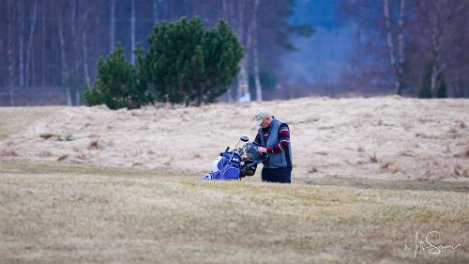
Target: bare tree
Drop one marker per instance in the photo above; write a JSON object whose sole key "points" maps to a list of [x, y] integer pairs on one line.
{"points": [[246, 26], [29, 57], [10, 50], [396, 55], [132, 30], [228, 9], [43, 46], [256, 52], [112, 27], [458, 59], [64, 65], [21, 41], [437, 36], [156, 6], [436, 28], [243, 87], [85, 53]]}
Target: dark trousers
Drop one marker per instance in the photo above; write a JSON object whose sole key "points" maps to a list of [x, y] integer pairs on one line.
{"points": [[281, 175]]}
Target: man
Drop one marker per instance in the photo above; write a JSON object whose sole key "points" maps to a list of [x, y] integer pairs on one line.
{"points": [[273, 139]]}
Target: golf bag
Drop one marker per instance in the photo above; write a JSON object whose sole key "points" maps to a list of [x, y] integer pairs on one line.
{"points": [[236, 164]]}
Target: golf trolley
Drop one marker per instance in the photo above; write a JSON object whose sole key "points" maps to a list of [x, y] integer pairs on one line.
{"points": [[235, 164]]}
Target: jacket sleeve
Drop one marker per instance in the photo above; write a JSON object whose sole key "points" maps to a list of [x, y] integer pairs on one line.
{"points": [[283, 138], [257, 140]]}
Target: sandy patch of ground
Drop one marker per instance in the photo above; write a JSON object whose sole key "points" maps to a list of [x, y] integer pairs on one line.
{"points": [[385, 137]]}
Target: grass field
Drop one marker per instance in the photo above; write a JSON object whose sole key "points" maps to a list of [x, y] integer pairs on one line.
{"points": [[59, 212], [13, 120]]}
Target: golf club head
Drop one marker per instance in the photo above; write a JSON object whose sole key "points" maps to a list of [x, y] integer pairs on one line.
{"points": [[243, 138]]}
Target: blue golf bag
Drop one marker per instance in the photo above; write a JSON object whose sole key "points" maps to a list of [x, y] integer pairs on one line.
{"points": [[234, 165], [225, 167]]}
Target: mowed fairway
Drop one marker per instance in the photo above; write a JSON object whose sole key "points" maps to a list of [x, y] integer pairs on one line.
{"points": [[59, 212]]}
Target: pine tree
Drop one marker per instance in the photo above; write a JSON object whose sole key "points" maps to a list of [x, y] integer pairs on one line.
{"points": [[190, 65], [116, 85]]}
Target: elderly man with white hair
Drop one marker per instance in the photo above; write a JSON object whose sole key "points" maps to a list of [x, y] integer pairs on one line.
{"points": [[273, 139]]}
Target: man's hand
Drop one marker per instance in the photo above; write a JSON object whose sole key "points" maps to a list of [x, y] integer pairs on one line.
{"points": [[261, 150]]}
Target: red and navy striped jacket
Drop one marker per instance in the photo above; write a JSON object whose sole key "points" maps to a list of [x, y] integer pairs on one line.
{"points": [[283, 135]]}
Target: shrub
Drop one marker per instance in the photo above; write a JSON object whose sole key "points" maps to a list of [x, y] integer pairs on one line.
{"points": [[184, 64], [190, 65], [116, 85]]}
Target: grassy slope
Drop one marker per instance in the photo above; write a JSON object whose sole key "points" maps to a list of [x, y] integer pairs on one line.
{"points": [[60, 212], [64, 212], [13, 119]]}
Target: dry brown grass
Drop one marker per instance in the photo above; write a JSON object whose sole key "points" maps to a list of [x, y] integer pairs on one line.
{"points": [[313, 169], [337, 135], [392, 167], [46, 136], [8, 153], [373, 158], [46, 153], [463, 154], [58, 212], [63, 157], [460, 171], [93, 145], [14, 119]]}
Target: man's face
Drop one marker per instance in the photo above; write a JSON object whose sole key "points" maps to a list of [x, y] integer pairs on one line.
{"points": [[266, 122]]}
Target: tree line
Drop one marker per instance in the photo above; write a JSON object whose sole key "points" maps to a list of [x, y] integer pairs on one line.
{"points": [[58, 43], [419, 46]]}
